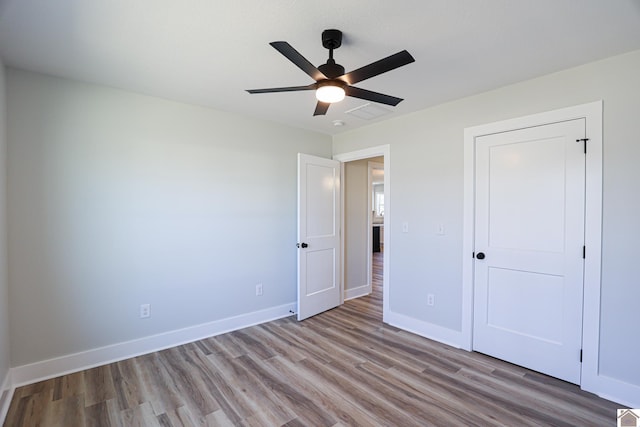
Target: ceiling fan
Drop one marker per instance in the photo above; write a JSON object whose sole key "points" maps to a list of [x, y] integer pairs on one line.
{"points": [[332, 84]]}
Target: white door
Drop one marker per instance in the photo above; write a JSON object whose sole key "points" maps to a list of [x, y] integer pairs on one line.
{"points": [[318, 235], [528, 283]]}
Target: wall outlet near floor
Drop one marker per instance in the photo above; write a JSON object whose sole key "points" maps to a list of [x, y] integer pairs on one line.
{"points": [[145, 310], [431, 299], [259, 289]]}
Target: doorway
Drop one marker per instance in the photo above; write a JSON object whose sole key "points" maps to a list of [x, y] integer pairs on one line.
{"points": [[363, 225], [382, 154]]}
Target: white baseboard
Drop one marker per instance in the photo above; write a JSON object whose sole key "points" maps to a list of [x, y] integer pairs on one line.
{"points": [[425, 329], [46, 369], [6, 394], [608, 388], [358, 292], [612, 389], [615, 390]]}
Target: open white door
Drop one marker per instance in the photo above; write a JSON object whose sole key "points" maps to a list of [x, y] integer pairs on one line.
{"points": [[318, 235]]}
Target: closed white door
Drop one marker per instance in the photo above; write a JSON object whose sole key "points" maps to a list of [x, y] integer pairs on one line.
{"points": [[529, 237], [318, 235]]}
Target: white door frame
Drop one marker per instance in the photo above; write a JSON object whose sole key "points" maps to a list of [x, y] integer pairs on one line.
{"points": [[381, 150], [593, 225]]}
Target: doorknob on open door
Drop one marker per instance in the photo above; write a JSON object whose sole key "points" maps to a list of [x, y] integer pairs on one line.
{"points": [[480, 255], [302, 245]]}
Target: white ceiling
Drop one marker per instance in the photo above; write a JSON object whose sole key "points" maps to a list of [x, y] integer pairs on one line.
{"points": [[209, 52]]}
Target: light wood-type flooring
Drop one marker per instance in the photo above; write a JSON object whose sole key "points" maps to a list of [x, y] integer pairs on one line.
{"points": [[343, 367]]}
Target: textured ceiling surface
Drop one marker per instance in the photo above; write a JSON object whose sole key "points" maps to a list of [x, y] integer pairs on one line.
{"points": [[209, 52]]}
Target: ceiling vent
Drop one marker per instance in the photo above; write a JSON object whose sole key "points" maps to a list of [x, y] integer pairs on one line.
{"points": [[368, 111]]}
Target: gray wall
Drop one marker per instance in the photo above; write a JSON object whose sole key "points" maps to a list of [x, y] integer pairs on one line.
{"points": [[4, 288], [117, 199], [356, 185], [427, 189]]}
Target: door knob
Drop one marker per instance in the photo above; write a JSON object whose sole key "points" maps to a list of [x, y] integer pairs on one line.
{"points": [[480, 255], [302, 245]]}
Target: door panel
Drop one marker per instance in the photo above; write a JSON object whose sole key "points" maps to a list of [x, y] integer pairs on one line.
{"points": [[530, 227], [515, 291], [523, 177], [320, 199], [319, 230], [320, 270]]}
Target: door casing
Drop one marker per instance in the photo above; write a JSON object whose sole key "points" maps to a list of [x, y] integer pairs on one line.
{"points": [[592, 112]]}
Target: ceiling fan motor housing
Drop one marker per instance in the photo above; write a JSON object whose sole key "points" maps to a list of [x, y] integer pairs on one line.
{"points": [[331, 39]]}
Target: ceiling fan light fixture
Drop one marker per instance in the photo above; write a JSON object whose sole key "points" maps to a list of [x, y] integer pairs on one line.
{"points": [[330, 92], [331, 83]]}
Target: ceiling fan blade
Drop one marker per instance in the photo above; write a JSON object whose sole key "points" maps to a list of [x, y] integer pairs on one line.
{"points": [[283, 89], [371, 96], [375, 68], [294, 56], [321, 108]]}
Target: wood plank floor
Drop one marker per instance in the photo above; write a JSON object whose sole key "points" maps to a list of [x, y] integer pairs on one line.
{"points": [[343, 367]]}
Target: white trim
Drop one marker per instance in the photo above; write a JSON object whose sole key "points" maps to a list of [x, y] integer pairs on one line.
{"points": [[357, 292], [617, 391], [6, 391], [425, 329], [593, 243], [468, 233], [591, 380], [343, 221], [385, 151], [6, 383], [39, 371]]}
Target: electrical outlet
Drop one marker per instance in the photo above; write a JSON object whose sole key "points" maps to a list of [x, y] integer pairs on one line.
{"points": [[145, 310], [431, 299], [259, 289]]}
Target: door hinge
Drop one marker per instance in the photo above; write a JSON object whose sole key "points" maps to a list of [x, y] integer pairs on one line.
{"points": [[583, 140], [580, 355], [584, 252]]}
